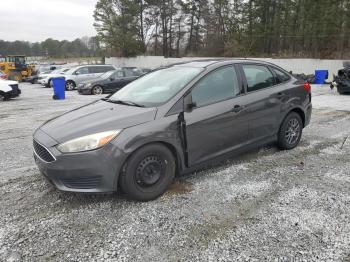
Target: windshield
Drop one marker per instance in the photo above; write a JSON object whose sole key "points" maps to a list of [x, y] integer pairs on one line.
{"points": [[108, 74], [158, 87]]}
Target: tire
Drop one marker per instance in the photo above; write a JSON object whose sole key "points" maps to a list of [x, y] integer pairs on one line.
{"points": [[148, 173], [97, 90], [49, 84], [6, 97], [290, 132], [15, 76], [70, 85]]}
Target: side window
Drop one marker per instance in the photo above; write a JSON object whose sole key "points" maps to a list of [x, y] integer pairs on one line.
{"points": [[281, 77], [258, 77], [104, 69], [132, 72], [219, 85], [82, 71], [118, 74]]}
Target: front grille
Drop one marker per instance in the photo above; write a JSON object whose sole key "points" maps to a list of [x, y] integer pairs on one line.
{"points": [[42, 152], [83, 182]]}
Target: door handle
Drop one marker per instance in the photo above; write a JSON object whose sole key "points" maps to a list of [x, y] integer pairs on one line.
{"points": [[237, 108]]}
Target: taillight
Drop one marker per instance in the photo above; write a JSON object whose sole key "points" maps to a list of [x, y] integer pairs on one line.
{"points": [[307, 87]]}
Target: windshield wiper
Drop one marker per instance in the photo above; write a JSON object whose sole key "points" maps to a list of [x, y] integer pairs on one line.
{"points": [[121, 102]]}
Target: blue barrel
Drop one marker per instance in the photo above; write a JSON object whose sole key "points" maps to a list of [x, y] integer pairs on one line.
{"points": [[321, 76], [59, 88]]}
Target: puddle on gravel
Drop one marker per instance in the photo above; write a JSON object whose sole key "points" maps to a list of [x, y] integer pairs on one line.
{"points": [[179, 188]]}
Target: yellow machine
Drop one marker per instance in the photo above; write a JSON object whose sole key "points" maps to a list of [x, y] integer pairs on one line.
{"points": [[16, 68]]}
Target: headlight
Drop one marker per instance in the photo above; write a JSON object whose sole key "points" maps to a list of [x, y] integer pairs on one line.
{"points": [[87, 143], [88, 85]]}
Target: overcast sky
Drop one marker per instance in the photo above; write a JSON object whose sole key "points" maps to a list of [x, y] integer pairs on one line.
{"points": [[37, 20]]}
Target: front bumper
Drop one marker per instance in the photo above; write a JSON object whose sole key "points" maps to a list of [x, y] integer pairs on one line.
{"points": [[43, 81], [94, 171], [84, 91], [15, 92]]}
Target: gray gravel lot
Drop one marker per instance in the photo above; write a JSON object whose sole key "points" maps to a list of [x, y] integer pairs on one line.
{"points": [[266, 205]]}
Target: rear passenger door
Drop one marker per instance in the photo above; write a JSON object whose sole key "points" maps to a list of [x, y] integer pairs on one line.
{"points": [[266, 99]]}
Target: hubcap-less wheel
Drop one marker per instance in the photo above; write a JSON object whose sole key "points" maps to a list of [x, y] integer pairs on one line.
{"points": [[97, 90], [149, 171], [293, 131], [70, 86]]}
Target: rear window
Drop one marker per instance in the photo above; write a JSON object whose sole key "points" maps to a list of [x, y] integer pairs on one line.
{"points": [[258, 77], [281, 77]]}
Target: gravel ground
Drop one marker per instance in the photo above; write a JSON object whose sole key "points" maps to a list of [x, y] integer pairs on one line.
{"points": [[266, 205]]}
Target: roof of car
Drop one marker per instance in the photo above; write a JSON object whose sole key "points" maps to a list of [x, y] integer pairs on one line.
{"points": [[208, 62]]}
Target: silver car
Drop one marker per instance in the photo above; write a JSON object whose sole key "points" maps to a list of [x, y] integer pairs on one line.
{"points": [[83, 73]]}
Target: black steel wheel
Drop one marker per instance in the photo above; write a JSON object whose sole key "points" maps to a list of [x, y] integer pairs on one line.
{"points": [[148, 173], [290, 132]]}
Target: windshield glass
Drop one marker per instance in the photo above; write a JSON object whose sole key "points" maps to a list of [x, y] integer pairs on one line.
{"points": [[108, 74], [157, 87]]}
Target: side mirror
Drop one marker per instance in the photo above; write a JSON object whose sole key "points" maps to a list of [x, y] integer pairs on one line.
{"points": [[77, 73], [112, 79], [189, 105]]}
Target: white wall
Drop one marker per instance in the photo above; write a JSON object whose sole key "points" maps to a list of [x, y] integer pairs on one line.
{"points": [[307, 66]]}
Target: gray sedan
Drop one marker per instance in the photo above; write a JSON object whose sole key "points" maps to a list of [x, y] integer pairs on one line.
{"points": [[171, 121]]}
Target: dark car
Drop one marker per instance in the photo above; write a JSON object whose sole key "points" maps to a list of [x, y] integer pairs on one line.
{"points": [[342, 80], [109, 82], [171, 121]]}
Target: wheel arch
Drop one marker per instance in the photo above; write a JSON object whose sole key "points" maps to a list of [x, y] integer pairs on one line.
{"points": [[300, 112], [297, 110], [179, 160]]}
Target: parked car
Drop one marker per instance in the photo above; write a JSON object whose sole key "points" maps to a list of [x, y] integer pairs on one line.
{"points": [[79, 74], [109, 82], [3, 75], [9, 89], [45, 79], [342, 80], [146, 70], [41, 69], [171, 121]]}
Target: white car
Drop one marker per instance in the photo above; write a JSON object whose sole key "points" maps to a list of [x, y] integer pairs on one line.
{"points": [[45, 79], [80, 74], [9, 89]]}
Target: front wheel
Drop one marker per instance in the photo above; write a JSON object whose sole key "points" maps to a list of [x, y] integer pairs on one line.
{"points": [[70, 85], [148, 173], [290, 131], [97, 90]]}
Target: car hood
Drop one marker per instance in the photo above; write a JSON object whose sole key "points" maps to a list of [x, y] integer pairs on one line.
{"points": [[8, 82], [96, 117]]}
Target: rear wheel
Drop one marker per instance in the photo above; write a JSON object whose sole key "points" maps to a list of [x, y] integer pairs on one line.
{"points": [[15, 76], [148, 173], [97, 90], [290, 131], [70, 85]]}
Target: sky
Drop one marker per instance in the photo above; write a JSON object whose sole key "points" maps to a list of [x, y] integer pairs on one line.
{"points": [[37, 20]]}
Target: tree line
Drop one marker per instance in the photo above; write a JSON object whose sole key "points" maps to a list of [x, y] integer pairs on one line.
{"points": [[83, 47], [241, 28]]}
